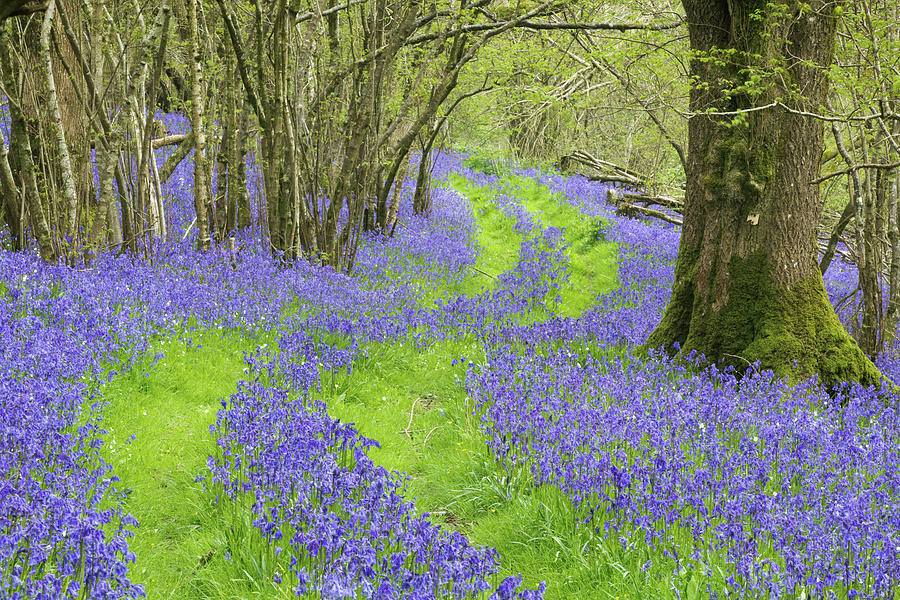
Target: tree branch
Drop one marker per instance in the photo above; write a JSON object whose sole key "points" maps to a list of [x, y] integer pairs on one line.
{"points": [[852, 168], [538, 26], [242, 64], [17, 8]]}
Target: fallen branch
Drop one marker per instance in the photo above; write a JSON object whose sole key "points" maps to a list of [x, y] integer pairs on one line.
{"points": [[486, 274], [412, 412], [609, 172], [670, 202], [629, 210], [169, 140], [433, 429], [629, 203], [188, 230]]}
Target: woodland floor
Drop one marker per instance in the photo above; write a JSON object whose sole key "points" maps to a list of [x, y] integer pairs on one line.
{"points": [[412, 402]]}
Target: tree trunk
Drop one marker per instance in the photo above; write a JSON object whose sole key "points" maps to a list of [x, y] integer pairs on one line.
{"points": [[21, 154], [237, 175], [10, 204], [201, 165], [747, 284], [892, 318], [70, 198]]}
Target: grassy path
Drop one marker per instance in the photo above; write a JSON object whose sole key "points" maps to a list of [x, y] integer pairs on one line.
{"points": [[412, 402], [591, 260], [168, 407], [415, 405]]}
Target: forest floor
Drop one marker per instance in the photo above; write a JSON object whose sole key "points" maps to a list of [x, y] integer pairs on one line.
{"points": [[413, 402], [470, 414]]}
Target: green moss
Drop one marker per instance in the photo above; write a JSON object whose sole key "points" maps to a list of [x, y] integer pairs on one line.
{"points": [[676, 322], [744, 166], [793, 332], [800, 328]]}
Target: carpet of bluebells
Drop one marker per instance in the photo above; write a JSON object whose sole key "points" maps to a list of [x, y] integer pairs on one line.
{"points": [[762, 488]]}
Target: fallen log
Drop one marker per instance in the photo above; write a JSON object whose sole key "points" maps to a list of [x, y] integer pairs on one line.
{"points": [[635, 199], [632, 210], [168, 140], [609, 172], [670, 202]]}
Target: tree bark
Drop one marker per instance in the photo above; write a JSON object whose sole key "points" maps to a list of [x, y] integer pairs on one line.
{"points": [[21, 154], [70, 198], [201, 166], [10, 202], [15, 8], [892, 318], [747, 283]]}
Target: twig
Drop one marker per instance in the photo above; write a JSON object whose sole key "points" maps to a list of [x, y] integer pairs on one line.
{"points": [[188, 230], [888, 166], [412, 412], [749, 364], [203, 560], [474, 268], [433, 429]]}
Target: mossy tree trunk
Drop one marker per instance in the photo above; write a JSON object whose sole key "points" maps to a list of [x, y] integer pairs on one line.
{"points": [[747, 283]]}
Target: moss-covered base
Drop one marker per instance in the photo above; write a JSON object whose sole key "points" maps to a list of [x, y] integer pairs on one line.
{"points": [[793, 332]]}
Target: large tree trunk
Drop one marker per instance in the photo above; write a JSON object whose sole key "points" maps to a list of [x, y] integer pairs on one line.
{"points": [[747, 285]]}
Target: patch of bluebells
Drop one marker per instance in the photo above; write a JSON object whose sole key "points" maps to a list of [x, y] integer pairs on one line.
{"points": [[786, 487], [783, 486], [351, 532], [62, 534], [337, 521], [762, 488]]}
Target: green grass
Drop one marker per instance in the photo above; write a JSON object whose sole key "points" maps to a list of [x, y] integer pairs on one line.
{"points": [[413, 402], [592, 260], [168, 407], [497, 239]]}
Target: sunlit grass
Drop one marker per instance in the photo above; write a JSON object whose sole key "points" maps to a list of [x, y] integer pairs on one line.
{"points": [[592, 260], [413, 402], [497, 239], [168, 404]]}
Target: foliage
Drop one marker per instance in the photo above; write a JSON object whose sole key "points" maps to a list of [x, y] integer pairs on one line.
{"points": [[572, 455]]}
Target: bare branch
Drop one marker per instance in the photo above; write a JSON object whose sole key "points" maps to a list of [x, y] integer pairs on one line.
{"points": [[538, 26], [852, 168], [16, 8]]}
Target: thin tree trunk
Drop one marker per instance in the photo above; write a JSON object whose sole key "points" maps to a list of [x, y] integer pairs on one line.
{"points": [[10, 203], [237, 175], [892, 318], [831, 247], [21, 154], [201, 164], [107, 158], [69, 196]]}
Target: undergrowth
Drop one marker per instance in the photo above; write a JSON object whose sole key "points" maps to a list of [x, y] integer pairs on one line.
{"points": [[411, 401]]}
